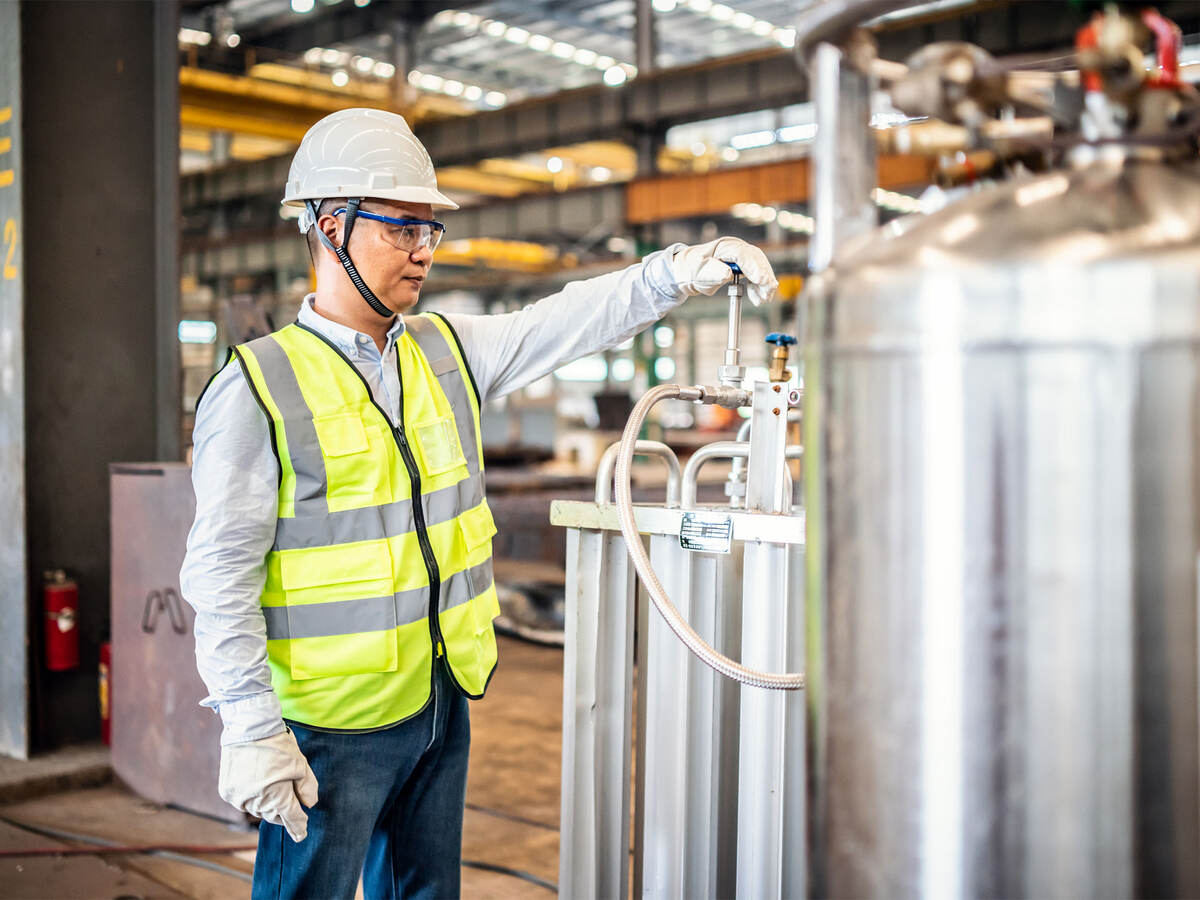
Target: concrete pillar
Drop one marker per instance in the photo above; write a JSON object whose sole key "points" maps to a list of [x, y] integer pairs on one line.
{"points": [[404, 58], [14, 567], [91, 313], [645, 37]]}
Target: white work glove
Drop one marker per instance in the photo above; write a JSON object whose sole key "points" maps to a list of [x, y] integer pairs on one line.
{"points": [[701, 269], [269, 778]]}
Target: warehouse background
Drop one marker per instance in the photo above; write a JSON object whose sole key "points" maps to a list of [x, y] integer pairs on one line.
{"points": [[143, 147]]}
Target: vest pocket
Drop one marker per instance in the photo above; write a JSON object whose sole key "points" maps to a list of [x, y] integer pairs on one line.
{"points": [[437, 442], [357, 462], [477, 526], [341, 434], [354, 654], [341, 610]]}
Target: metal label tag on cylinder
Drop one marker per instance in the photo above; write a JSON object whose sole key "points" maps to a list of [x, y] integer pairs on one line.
{"points": [[706, 532]]}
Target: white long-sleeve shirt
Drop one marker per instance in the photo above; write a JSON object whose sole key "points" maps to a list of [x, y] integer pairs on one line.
{"points": [[234, 471]]}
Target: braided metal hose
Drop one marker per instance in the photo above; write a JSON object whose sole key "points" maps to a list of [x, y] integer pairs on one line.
{"points": [[641, 562]]}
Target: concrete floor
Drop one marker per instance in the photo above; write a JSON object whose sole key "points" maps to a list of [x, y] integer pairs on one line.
{"points": [[511, 818]]}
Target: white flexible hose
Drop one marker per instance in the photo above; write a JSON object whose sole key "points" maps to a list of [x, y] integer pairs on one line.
{"points": [[641, 562]]}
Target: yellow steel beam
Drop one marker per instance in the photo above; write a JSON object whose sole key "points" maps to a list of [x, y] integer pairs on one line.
{"points": [[513, 256], [281, 102], [463, 178], [537, 173]]}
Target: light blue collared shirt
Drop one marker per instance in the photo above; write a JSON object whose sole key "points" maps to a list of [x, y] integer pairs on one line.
{"points": [[234, 471]]}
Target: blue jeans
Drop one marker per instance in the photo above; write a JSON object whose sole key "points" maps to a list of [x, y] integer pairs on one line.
{"points": [[390, 807]]}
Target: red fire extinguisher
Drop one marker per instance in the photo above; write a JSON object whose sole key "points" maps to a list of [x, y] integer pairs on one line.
{"points": [[60, 596], [106, 692]]}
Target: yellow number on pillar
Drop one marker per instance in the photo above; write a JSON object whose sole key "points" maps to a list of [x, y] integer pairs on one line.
{"points": [[10, 244]]}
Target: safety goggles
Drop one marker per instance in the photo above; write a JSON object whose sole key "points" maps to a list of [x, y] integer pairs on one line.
{"points": [[409, 235]]}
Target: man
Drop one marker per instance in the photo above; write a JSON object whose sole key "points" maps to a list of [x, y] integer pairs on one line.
{"points": [[340, 560]]}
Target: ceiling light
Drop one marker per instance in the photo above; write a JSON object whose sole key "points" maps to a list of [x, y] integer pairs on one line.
{"points": [[700, 6], [630, 70], [699, 148], [540, 43], [554, 164], [463, 19], [790, 133], [585, 57], [516, 35], [194, 36], [753, 210], [729, 154], [472, 92], [233, 40], [340, 78], [720, 12], [453, 88], [384, 70], [785, 36], [445, 17], [752, 139], [664, 336], [364, 64], [414, 77], [744, 21], [432, 82], [601, 173], [784, 218], [495, 99], [303, 6], [768, 214], [495, 29], [330, 57], [604, 62], [623, 369], [361, 3], [312, 55], [616, 244], [763, 28], [615, 76], [664, 6], [197, 331], [563, 50]]}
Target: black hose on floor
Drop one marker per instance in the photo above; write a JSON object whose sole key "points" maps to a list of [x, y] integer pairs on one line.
{"points": [[113, 847], [515, 873], [512, 817]]}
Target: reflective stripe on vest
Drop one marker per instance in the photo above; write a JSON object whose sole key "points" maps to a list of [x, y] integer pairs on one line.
{"points": [[347, 594]]}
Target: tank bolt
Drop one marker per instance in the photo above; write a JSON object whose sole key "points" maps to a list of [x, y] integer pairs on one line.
{"points": [[775, 410], [777, 388]]}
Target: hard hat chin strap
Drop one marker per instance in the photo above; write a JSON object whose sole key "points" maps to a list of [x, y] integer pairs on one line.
{"points": [[344, 257]]}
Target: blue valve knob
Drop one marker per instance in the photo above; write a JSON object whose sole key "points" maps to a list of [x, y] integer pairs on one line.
{"points": [[779, 339], [734, 266]]}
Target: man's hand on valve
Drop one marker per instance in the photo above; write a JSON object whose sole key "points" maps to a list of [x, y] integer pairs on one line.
{"points": [[703, 268]]}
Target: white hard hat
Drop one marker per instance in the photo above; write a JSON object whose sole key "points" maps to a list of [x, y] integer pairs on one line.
{"points": [[362, 153]]}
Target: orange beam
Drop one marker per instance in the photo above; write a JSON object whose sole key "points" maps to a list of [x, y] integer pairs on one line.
{"points": [[679, 196]]}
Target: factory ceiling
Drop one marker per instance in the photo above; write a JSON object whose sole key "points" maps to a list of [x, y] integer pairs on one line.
{"points": [[508, 49]]}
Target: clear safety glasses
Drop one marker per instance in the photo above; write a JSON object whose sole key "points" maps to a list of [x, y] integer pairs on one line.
{"points": [[409, 235]]}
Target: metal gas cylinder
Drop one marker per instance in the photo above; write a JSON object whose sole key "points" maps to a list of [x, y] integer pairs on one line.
{"points": [[1002, 408]]}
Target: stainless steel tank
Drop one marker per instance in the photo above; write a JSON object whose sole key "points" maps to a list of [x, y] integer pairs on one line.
{"points": [[1003, 495]]}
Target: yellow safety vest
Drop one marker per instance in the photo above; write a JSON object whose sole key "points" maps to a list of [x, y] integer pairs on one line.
{"points": [[364, 586]]}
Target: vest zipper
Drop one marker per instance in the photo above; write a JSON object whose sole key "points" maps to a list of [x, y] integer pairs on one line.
{"points": [[431, 566], [414, 480]]}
